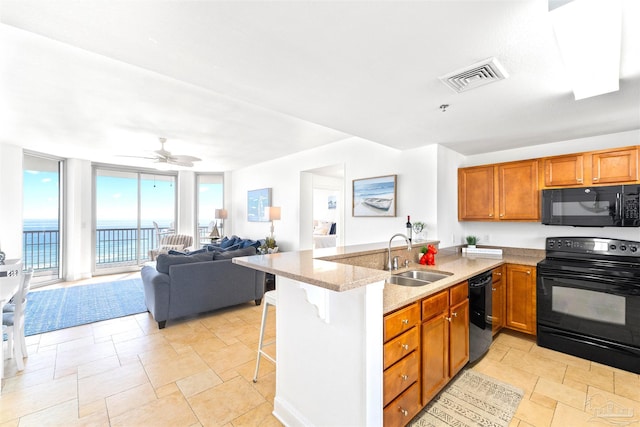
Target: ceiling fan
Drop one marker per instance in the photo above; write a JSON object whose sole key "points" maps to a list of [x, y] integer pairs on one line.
{"points": [[165, 157]]}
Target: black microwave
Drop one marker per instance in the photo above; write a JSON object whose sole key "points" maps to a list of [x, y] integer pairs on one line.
{"points": [[609, 206]]}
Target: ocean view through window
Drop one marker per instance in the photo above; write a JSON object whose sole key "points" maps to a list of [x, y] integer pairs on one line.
{"points": [[127, 203], [41, 216]]}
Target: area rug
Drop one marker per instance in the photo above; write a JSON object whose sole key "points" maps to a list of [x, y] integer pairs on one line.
{"points": [[54, 309], [471, 399]]}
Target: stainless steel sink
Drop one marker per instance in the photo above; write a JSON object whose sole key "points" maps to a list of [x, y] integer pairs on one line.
{"points": [[427, 276], [417, 277]]}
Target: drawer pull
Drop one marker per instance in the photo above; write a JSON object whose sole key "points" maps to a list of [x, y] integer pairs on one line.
{"points": [[405, 321], [404, 412], [405, 346], [404, 377], [493, 289]]}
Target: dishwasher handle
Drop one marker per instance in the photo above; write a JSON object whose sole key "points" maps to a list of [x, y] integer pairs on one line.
{"points": [[481, 280]]}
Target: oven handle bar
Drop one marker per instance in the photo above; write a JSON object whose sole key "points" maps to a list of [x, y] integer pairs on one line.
{"points": [[595, 283]]}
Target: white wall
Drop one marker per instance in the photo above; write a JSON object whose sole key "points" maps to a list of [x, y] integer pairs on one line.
{"points": [[77, 244], [11, 201], [416, 195]]}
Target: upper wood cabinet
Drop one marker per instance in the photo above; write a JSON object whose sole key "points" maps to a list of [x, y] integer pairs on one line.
{"points": [[592, 168], [508, 189], [564, 171], [476, 193], [614, 166]]}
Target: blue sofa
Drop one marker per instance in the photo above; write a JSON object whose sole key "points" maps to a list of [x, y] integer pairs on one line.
{"points": [[186, 284]]}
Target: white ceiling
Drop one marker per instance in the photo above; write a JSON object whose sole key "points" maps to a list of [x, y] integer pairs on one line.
{"points": [[239, 82]]}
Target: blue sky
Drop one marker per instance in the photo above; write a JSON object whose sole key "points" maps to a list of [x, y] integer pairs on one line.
{"points": [[117, 199]]}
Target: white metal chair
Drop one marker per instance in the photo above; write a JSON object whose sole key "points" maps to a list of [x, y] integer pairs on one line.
{"points": [[269, 298], [13, 322]]}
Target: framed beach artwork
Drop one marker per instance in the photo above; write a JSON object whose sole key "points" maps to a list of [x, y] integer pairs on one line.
{"points": [[374, 196], [257, 200]]}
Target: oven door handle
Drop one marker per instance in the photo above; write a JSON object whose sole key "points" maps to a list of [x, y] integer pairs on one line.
{"points": [[587, 281]]}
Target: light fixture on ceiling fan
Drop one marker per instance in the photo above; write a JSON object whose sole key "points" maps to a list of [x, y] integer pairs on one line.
{"points": [[164, 158]]}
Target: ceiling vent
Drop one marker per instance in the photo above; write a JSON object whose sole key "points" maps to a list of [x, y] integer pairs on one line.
{"points": [[476, 75]]}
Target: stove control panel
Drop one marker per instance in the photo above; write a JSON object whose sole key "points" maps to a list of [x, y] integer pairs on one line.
{"points": [[594, 245]]}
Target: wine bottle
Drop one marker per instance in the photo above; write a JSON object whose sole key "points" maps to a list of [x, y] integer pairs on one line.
{"points": [[409, 228]]}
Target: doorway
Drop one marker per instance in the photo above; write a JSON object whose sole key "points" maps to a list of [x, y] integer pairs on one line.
{"points": [[322, 207]]}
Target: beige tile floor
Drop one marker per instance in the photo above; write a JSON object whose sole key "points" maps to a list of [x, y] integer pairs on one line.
{"points": [[198, 372]]}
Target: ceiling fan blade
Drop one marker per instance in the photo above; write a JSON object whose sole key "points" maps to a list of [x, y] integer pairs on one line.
{"points": [[180, 163], [163, 153], [137, 157], [180, 158]]}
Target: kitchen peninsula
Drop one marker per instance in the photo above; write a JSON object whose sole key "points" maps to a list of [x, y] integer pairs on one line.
{"points": [[329, 325]]}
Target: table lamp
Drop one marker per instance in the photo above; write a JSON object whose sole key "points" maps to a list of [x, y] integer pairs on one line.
{"points": [[272, 213]]}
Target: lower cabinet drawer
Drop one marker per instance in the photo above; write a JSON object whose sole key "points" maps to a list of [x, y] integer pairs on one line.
{"points": [[400, 346], [400, 411], [400, 376]]}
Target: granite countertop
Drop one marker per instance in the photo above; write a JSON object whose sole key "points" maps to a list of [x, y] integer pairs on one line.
{"points": [[307, 266]]}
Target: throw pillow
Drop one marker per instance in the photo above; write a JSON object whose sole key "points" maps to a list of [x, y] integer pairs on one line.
{"points": [[229, 242]]}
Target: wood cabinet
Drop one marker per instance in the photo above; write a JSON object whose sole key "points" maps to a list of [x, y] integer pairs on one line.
{"points": [[401, 377], [519, 196], [476, 193], [444, 338], [562, 171], [614, 166], [521, 298], [498, 300], [510, 189], [617, 166]]}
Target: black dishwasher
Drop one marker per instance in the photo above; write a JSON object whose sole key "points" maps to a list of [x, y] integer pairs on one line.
{"points": [[480, 334]]}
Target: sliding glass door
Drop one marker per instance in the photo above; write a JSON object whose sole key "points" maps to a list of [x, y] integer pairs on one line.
{"points": [[42, 218], [210, 197], [127, 204]]}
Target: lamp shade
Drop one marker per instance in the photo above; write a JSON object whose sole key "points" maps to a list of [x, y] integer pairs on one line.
{"points": [[221, 214], [272, 213]]}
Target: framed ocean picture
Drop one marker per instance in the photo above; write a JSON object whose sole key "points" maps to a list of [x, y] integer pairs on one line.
{"points": [[375, 196], [257, 200]]}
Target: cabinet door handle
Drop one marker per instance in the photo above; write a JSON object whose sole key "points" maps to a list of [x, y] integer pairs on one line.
{"points": [[490, 215], [405, 321], [498, 273], [404, 377], [448, 319], [528, 271], [493, 289], [595, 178], [405, 346], [501, 215], [454, 314], [404, 412]]}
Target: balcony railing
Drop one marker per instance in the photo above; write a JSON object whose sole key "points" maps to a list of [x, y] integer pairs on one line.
{"points": [[114, 247]]}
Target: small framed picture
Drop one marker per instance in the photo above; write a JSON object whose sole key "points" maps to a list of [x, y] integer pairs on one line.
{"points": [[332, 202], [374, 196], [257, 200]]}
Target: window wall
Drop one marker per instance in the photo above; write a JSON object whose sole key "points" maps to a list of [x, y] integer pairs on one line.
{"points": [[210, 193], [131, 210]]}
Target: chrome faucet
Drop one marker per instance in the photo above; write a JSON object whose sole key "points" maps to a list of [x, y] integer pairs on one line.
{"points": [[389, 265]]}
